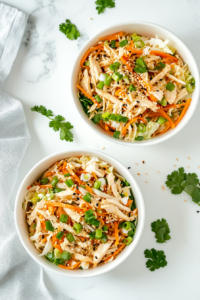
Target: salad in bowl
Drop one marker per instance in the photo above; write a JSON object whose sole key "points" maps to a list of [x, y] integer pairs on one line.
{"points": [[135, 87]]}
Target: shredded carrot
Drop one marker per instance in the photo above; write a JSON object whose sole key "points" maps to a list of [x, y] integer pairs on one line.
{"points": [[46, 186], [124, 61], [64, 167], [165, 115], [70, 267], [87, 204], [94, 175], [88, 188], [87, 95], [29, 187], [116, 224], [82, 238], [81, 172], [129, 202], [112, 36], [115, 253], [174, 106], [101, 220], [170, 59], [152, 98], [167, 127], [51, 210], [77, 191], [130, 122], [88, 52], [183, 111], [58, 247], [49, 174], [79, 210], [120, 92], [102, 214], [75, 176]]}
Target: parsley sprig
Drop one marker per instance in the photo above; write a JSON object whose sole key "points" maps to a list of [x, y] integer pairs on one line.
{"points": [[101, 5], [179, 181], [157, 259], [161, 229], [69, 30], [56, 123]]}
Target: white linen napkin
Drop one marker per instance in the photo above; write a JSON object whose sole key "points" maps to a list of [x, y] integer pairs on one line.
{"points": [[21, 278]]}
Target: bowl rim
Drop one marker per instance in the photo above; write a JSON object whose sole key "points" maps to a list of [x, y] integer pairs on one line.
{"points": [[47, 264], [156, 140]]}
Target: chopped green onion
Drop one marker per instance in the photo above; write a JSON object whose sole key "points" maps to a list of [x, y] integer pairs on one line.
{"points": [[89, 212], [92, 235], [115, 66], [127, 225], [190, 84], [141, 128], [136, 38], [131, 232], [139, 138], [98, 98], [127, 241], [49, 226], [77, 227], [98, 233], [106, 115], [87, 197], [50, 256], [121, 225], [100, 85], [63, 218], [106, 43], [87, 63], [139, 43], [57, 190], [170, 86], [65, 255], [126, 79], [161, 120], [94, 222], [123, 43], [97, 184], [69, 182], [54, 181], [44, 181], [140, 66], [105, 228], [148, 119], [160, 66], [117, 76], [96, 119], [57, 253], [67, 175], [107, 79], [35, 199], [132, 88], [113, 44], [34, 225], [104, 238], [163, 102], [59, 235], [70, 237], [116, 134], [83, 186], [134, 35]]}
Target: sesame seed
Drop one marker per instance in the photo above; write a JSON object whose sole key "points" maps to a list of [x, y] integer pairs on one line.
{"points": [[189, 157], [163, 188], [97, 204], [78, 198], [143, 162], [185, 200], [197, 211], [177, 159], [129, 167], [95, 257], [74, 194], [138, 173]]}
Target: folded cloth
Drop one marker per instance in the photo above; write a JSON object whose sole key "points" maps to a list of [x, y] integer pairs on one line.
{"points": [[20, 277]]}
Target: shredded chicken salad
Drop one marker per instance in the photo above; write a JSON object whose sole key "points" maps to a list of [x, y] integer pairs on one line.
{"points": [[134, 87], [80, 213]]}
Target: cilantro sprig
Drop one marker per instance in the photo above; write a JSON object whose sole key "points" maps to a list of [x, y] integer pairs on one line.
{"points": [[161, 229], [157, 259], [56, 123], [101, 5], [69, 30], [179, 181]]}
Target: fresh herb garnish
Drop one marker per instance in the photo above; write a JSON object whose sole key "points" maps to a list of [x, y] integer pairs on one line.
{"points": [[157, 259], [56, 123], [69, 30], [101, 5], [161, 229], [179, 181]]}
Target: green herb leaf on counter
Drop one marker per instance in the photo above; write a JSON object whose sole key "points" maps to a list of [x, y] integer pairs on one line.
{"points": [[179, 181], [161, 229], [56, 123], [69, 30], [101, 5], [157, 259]]}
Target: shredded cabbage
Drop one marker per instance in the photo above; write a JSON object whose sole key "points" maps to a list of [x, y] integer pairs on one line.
{"points": [[157, 42], [150, 129]]}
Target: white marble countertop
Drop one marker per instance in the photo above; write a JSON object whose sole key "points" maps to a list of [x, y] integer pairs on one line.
{"points": [[41, 75]]}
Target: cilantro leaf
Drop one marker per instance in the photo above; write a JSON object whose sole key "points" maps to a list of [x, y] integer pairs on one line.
{"points": [[56, 123], [69, 30], [157, 259], [174, 181], [102, 4], [161, 229], [190, 183], [196, 195]]}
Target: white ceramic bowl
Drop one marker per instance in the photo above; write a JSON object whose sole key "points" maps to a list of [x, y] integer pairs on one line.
{"points": [[22, 227], [146, 29]]}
